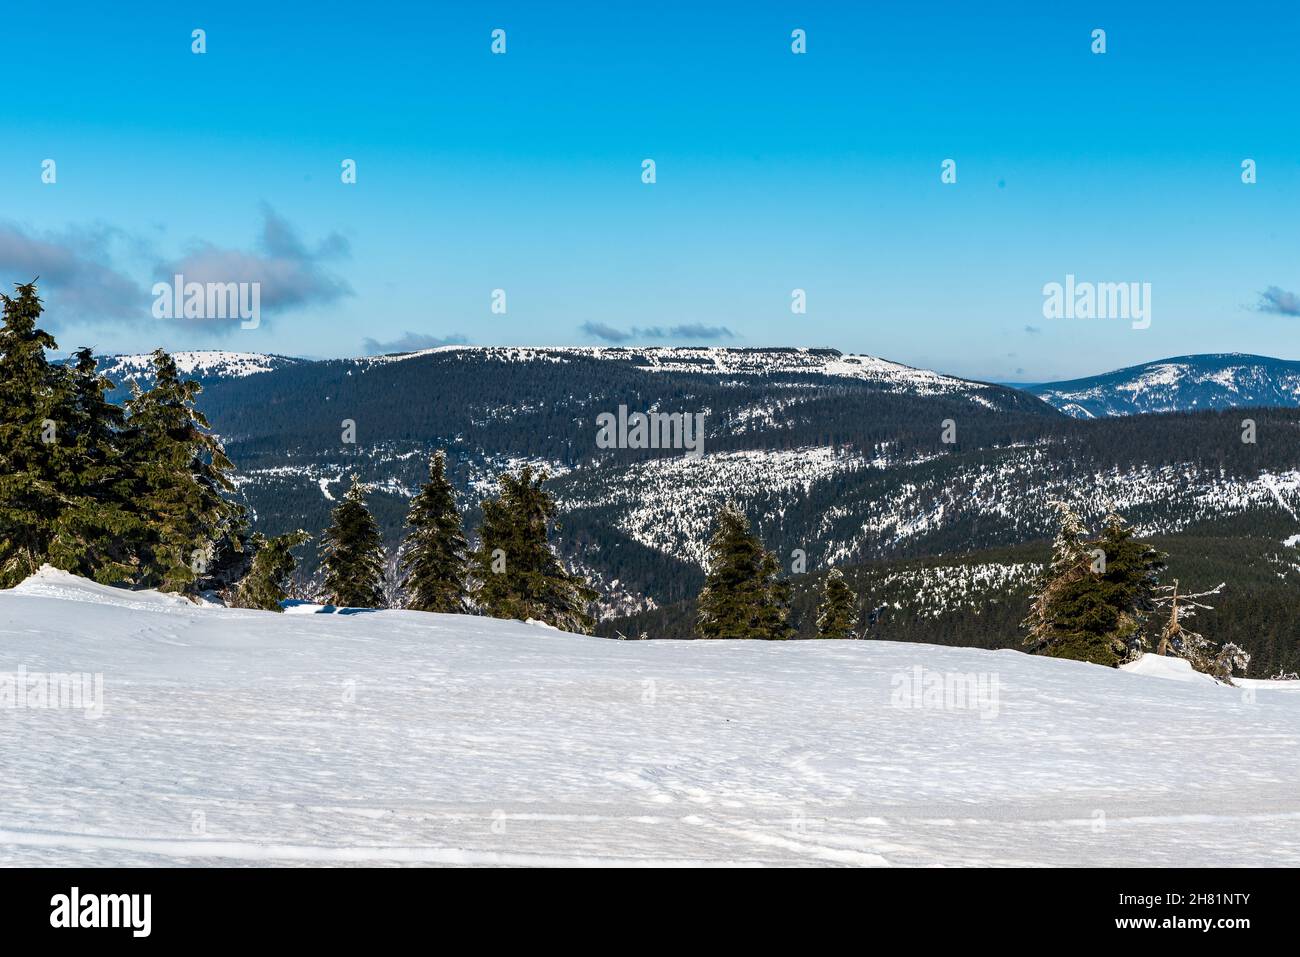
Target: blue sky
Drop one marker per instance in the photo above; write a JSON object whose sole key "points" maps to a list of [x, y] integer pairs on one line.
{"points": [[775, 171]]}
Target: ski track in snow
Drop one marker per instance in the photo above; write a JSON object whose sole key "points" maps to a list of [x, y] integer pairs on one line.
{"points": [[405, 739]]}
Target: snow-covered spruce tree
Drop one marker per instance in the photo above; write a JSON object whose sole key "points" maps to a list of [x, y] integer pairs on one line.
{"points": [[434, 554], [743, 597], [352, 553], [100, 532], [516, 572], [837, 613], [31, 393], [181, 478], [1090, 602], [774, 622], [264, 586], [1128, 581], [1070, 561]]}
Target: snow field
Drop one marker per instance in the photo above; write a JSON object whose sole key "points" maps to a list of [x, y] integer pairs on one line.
{"points": [[401, 738]]}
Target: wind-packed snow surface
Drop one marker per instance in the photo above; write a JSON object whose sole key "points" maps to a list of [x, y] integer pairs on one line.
{"points": [[241, 737]]}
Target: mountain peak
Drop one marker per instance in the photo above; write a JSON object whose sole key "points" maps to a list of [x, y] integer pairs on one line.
{"points": [[1181, 383]]}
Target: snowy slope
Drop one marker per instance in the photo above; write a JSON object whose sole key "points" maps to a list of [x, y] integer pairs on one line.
{"points": [[239, 737], [201, 364]]}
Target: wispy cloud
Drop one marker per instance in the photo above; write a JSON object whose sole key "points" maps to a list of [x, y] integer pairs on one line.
{"points": [[291, 273], [598, 330], [694, 331], [76, 265], [1278, 301], [410, 342], [83, 274]]}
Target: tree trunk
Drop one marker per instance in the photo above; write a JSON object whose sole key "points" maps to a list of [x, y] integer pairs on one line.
{"points": [[1172, 628]]}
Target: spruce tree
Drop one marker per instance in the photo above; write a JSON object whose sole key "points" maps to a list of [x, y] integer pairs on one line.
{"points": [[33, 397], [1129, 581], [517, 573], [1070, 561], [774, 621], [352, 553], [837, 614], [273, 562], [182, 478], [742, 595], [434, 553], [1091, 601], [99, 533]]}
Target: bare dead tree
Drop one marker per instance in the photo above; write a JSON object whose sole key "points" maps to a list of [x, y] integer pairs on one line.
{"points": [[1204, 655]]}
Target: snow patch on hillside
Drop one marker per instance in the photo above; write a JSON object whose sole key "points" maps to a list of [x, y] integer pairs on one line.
{"points": [[671, 503], [942, 589], [209, 363]]}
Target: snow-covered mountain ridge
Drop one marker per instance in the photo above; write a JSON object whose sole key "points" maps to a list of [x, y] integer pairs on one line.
{"points": [[704, 360], [383, 738], [1181, 384], [200, 364]]}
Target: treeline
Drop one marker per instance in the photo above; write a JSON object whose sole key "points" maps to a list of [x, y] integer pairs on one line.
{"points": [[135, 495], [1096, 599], [745, 596], [140, 495], [514, 571], [1126, 606]]}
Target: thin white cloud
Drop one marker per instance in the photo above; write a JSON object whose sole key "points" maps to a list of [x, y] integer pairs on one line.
{"points": [[75, 269], [410, 342], [693, 331], [291, 273]]}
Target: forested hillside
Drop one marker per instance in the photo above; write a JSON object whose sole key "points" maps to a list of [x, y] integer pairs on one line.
{"points": [[843, 458]]}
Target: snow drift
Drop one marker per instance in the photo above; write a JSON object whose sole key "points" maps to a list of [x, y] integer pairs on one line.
{"points": [[242, 737]]}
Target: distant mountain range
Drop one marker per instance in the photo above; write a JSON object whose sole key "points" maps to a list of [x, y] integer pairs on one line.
{"points": [[1180, 384], [1183, 384], [879, 374]]}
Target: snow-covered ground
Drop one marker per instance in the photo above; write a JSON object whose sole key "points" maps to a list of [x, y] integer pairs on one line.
{"points": [[205, 363], [240, 737]]}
